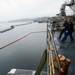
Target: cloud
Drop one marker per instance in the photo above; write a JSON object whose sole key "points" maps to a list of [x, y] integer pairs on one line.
{"points": [[14, 9]]}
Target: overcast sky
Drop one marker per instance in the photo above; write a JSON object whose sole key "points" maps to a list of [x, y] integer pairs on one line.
{"points": [[17, 9]]}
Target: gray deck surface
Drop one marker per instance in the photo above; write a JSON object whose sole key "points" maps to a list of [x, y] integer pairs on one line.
{"points": [[67, 48]]}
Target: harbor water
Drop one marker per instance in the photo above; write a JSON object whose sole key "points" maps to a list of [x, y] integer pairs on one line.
{"points": [[25, 53]]}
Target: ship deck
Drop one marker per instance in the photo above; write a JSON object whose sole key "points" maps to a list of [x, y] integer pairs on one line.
{"points": [[67, 49]]}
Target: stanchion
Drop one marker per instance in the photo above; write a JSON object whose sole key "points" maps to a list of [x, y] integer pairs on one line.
{"points": [[42, 63]]}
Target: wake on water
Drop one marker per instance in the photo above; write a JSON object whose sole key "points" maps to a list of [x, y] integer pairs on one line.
{"points": [[13, 26]]}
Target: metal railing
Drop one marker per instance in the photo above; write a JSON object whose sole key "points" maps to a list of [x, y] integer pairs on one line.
{"points": [[51, 47]]}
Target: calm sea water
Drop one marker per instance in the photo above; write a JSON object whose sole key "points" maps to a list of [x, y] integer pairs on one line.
{"points": [[26, 53]]}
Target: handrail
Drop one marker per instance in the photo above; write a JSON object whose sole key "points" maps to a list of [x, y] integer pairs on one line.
{"points": [[51, 46]]}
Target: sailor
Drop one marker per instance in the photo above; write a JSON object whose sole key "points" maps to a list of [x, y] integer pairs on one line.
{"points": [[64, 29], [70, 31]]}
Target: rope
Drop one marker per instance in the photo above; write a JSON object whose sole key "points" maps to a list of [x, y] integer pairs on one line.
{"points": [[20, 39], [51, 46], [55, 50]]}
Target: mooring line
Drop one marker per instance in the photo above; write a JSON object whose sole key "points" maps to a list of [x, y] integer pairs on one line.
{"points": [[20, 39]]}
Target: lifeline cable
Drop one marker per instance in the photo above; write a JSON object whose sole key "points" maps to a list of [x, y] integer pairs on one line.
{"points": [[20, 39]]}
